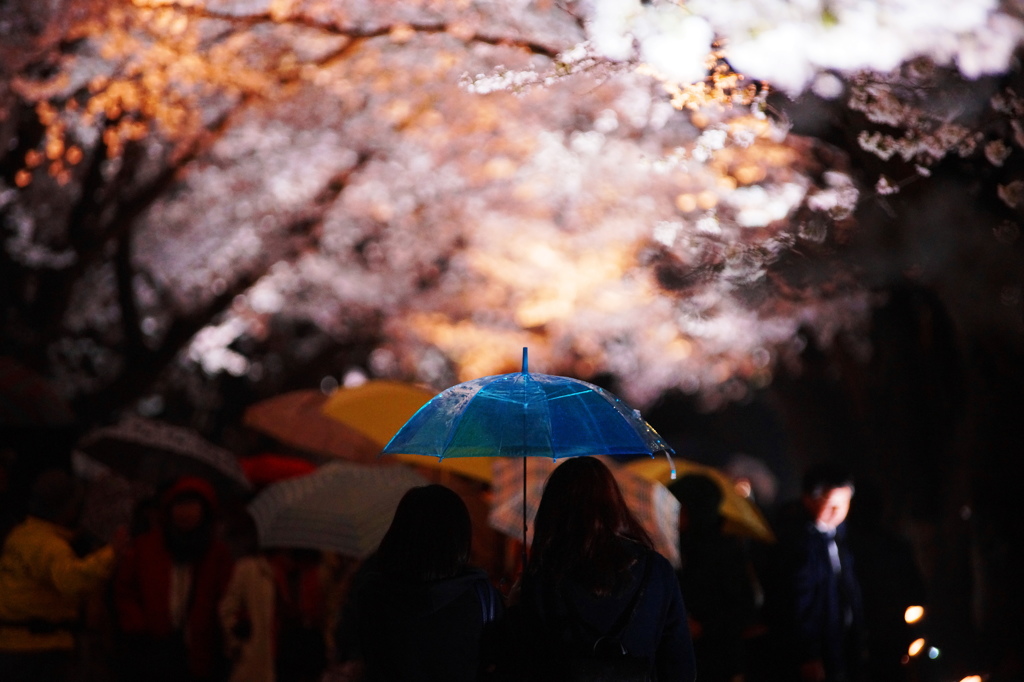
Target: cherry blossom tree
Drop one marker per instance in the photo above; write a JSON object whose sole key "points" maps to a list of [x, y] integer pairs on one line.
{"points": [[338, 167], [206, 201]]}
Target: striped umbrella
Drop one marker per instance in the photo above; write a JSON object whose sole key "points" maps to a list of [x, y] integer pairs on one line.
{"points": [[341, 507]]}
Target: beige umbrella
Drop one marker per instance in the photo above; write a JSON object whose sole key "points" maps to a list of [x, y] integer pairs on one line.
{"points": [[341, 507], [296, 419], [651, 502]]}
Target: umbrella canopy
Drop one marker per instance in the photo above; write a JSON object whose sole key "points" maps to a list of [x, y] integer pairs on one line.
{"points": [[268, 467], [742, 517], [377, 408], [650, 501], [297, 420], [476, 468], [525, 415], [342, 507], [157, 453], [111, 501]]}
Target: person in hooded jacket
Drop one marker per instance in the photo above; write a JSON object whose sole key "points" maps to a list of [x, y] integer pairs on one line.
{"points": [[417, 610], [167, 588]]}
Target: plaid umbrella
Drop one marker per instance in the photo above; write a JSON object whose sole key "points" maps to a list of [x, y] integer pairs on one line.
{"points": [[742, 516], [650, 501], [341, 507]]}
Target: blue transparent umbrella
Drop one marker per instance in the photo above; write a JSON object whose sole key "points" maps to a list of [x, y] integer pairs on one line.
{"points": [[524, 414]]}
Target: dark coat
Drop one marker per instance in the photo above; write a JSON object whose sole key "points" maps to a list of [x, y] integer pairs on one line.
{"points": [[417, 632], [715, 580], [824, 609], [552, 620]]}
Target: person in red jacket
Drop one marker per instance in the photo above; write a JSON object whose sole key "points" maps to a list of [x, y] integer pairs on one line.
{"points": [[167, 588]]}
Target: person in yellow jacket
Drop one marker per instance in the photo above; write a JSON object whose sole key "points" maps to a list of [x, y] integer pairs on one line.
{"points": [[44, 583]]}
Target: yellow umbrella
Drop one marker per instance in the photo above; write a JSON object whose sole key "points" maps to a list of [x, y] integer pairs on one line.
{"points": [[742, 517], [379, 408], [376, 408], [476, 468]]}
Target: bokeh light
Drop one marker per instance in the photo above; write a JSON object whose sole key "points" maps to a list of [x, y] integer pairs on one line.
{"points": [[913, 614]]}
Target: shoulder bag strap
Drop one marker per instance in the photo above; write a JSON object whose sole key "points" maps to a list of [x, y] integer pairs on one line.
{"points": [[486, 595]]}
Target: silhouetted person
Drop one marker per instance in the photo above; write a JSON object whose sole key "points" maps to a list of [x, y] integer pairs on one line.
{"points": [[822, 596], [417, 610], [44, 583], [715, 580], [167, 588], [592, 572]]}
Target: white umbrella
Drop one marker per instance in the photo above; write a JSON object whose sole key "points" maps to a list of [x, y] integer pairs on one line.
{"points": [[341, 507]]}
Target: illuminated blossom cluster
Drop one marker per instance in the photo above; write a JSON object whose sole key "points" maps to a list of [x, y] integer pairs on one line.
{"points": [[793, 44], [603, 182], [599, 250]]}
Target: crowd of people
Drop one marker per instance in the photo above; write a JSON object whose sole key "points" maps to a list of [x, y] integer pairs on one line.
{"points": [[174, 600]]}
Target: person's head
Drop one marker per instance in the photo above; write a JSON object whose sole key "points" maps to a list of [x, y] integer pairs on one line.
{"points": [[826, 494], [699, 500], [580, 523], [187, 509], [429, 538], [57, 496]]}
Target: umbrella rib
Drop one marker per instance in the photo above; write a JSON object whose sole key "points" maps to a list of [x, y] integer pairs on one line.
{"points": [[568, 395]]}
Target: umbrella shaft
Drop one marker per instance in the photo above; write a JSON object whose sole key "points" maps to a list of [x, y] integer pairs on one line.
{"points": [[524, 512]]}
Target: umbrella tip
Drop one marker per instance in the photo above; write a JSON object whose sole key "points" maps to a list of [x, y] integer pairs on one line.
{"points": [[671, 465], [526, 362]]}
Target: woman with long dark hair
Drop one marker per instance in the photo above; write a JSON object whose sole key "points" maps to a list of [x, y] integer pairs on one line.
{"points": [[594, 579], [417, 609]]}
